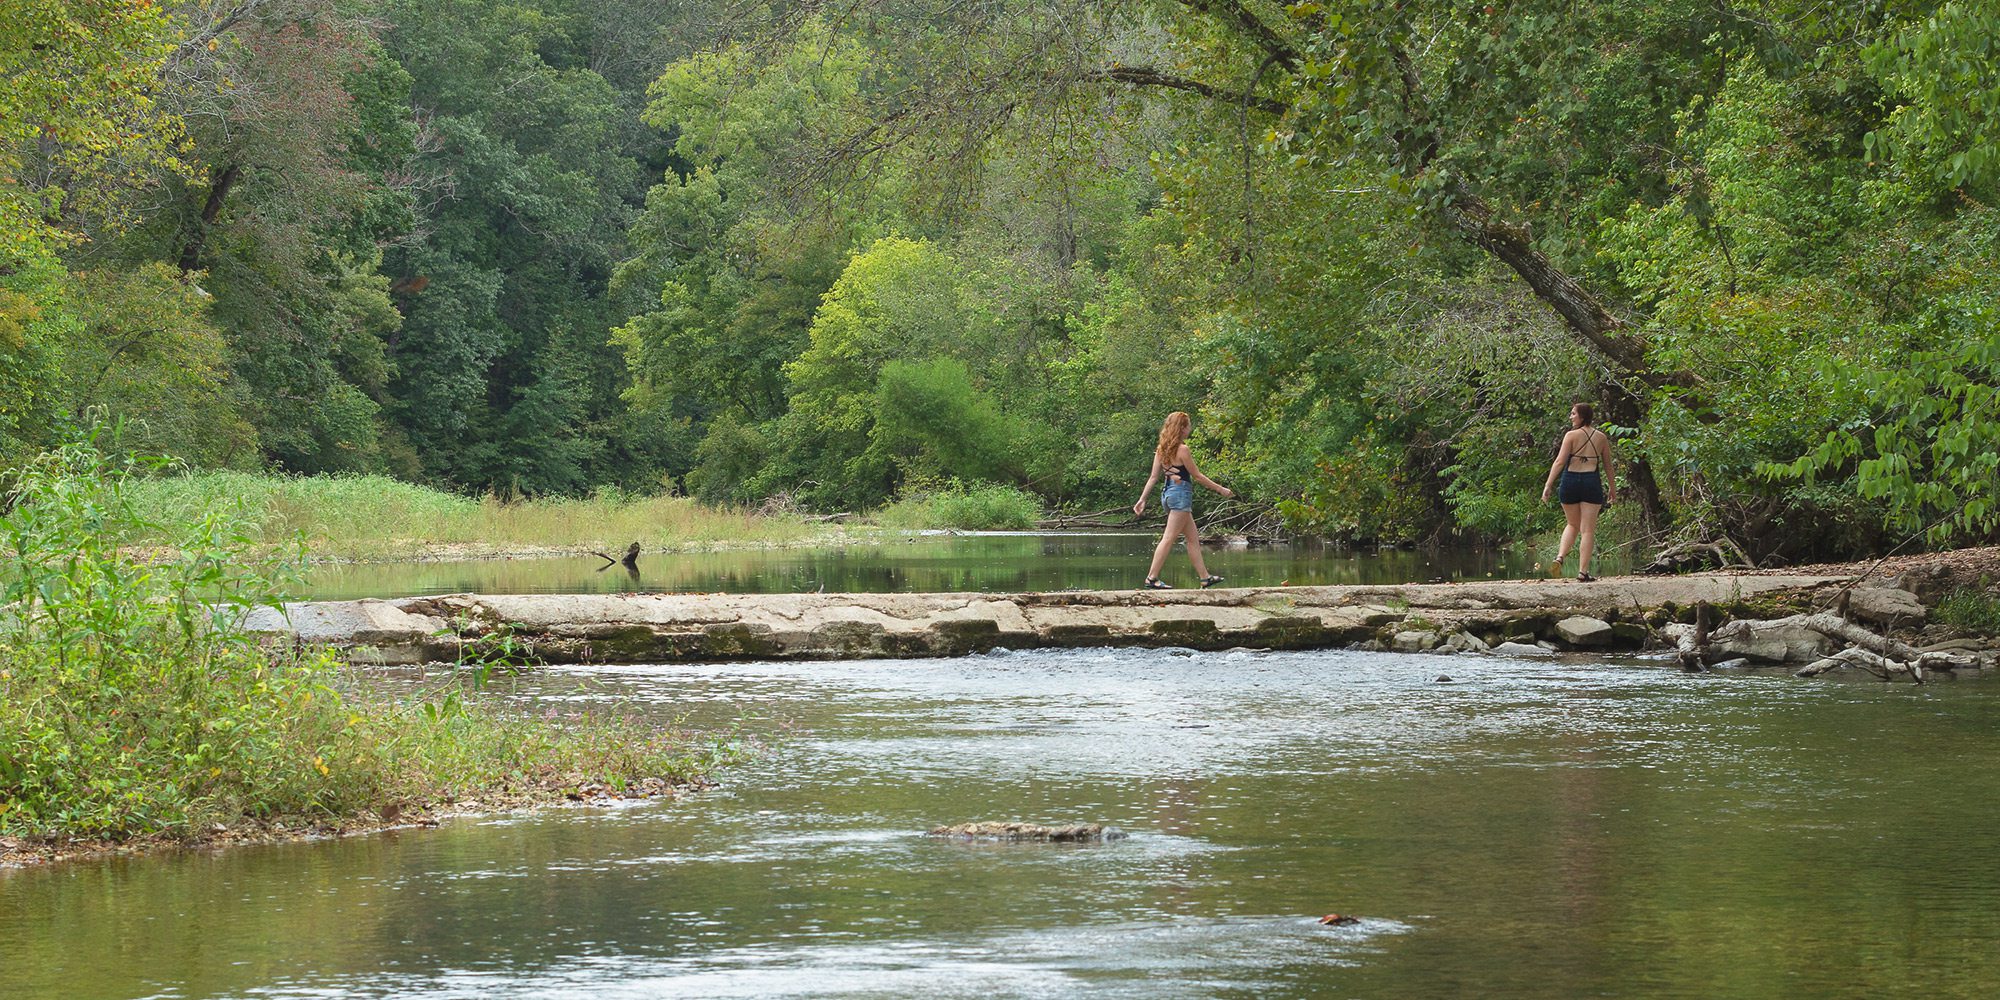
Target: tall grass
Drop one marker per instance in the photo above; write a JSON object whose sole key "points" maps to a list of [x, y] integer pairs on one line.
{"points": [[378, 517], [1972, 609], [133, 702]]}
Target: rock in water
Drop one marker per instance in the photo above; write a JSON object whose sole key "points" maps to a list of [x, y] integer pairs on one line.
{"points": [[1029, 831], [1338, 920], [1582, 630]]}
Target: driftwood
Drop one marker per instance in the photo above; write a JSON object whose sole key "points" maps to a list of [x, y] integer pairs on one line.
{"points": [[1116, 517], [630, 559], [1884, 656], [1723, 552], [840, 518], [1693, 652]]}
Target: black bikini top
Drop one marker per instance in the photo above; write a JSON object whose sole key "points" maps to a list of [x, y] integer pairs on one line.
{"points": [[1177, 472], [1589, 438]]}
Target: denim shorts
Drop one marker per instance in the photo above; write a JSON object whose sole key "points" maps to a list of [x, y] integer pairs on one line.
{"points": [[1582, 487], [1177, 496]]}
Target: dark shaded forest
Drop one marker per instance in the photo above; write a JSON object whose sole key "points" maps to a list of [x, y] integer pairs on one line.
{"points": [[841, 254]]}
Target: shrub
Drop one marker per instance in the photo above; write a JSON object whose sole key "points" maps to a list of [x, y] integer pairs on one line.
{"points": [[134, 701], [979, 507]]}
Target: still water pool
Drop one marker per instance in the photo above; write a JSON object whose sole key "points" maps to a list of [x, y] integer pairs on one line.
{"points": [[998, 563], [1546, 829]]}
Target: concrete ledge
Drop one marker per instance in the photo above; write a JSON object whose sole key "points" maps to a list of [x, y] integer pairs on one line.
{"points": [[669, 628]]}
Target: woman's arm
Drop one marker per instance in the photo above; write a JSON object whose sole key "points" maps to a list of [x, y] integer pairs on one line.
{"points": [[1151, 478], [1556, 467], [1194, 473]]}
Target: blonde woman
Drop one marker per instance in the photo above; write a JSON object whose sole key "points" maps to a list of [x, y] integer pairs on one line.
{"points": [[1172, 458], [1588, 486]]}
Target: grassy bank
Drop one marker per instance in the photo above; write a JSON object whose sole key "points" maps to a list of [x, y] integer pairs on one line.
{"points": [[374, 517], [132, 706]]}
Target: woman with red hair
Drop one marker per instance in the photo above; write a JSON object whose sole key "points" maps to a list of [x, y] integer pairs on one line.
{"points": [[1172, 458]]}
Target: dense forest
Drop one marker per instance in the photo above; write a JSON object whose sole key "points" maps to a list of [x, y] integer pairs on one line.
{"points": [[838, 253]]}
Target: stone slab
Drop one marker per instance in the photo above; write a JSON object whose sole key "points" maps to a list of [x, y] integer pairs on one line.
{"points": [[664, 628]]}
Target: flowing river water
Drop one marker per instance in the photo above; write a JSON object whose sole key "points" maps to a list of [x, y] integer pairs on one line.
{"points": [[1549, 828]]}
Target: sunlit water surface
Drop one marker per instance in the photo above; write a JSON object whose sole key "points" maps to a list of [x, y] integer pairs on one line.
{"points": [[1526, 829]]}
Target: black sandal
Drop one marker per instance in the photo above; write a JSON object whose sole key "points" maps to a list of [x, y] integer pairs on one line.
{"points": [[1585, 578], [1153, 583], [1210, 581]]}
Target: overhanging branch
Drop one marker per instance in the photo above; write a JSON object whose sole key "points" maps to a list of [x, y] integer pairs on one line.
{"points": [[1140, 76]]}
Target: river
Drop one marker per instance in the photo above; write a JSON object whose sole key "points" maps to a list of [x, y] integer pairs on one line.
{"points": [[1528, 828]]}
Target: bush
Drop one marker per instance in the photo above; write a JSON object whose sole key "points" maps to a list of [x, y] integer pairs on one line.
{"points": [[980, 507], [133, 701]]}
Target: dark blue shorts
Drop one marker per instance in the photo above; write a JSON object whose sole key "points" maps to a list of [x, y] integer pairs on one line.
{"points": [[1582, 487]]}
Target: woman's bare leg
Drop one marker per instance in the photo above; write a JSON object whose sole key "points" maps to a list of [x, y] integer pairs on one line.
{"points": [[1166, 546], [1573, 518], [1586, 535], [1193, 541]]}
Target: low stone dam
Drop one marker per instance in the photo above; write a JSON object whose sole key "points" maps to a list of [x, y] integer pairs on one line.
{"points": [[1620, 613]]}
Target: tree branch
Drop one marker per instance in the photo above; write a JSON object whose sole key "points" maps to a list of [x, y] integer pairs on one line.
{"points": [[1141, 76]]}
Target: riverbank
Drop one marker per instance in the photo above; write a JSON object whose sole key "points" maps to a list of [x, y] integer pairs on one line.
{"points": [[21, 852]]}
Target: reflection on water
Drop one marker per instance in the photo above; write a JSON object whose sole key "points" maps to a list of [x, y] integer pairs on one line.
{"points": [[936, 564], [1532, 829]]}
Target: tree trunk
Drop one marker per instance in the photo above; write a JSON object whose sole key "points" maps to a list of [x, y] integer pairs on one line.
{"points": [[211, 210]]}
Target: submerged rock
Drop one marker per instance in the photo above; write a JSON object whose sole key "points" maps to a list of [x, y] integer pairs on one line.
{"points": [[1520, 649], [1029, 831]]}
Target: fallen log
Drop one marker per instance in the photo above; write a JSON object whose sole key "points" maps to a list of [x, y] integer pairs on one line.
{"points": [[1116, 517], [1881, 655], [1723, 551], [1856, 657]]}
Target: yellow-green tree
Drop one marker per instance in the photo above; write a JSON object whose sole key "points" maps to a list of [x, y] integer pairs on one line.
{"points": [[78, 117]]}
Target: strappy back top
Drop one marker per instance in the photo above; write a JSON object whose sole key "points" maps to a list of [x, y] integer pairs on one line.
{"points": [[1591, 435], [1177, 473]]}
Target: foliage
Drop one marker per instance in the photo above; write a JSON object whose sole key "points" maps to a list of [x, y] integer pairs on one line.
{"points": [[76, 85], [956, 505], [537, 247], [133, 700], [1971, 609]]}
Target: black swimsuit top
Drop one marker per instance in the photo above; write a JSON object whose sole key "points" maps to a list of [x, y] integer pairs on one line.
{"points": [[1176, 474], [1590, 439]]}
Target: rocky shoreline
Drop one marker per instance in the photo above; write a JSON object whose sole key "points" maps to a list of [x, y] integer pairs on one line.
{"points": [[1618, 614]]}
